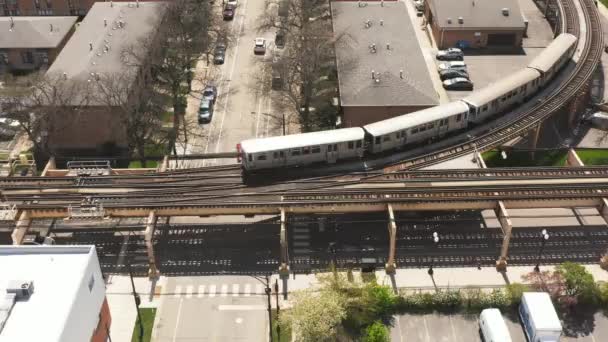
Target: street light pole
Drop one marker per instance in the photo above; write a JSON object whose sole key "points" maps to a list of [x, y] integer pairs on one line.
{"points": [[268, 290], [544, 238], [435, 243], [276, 292]]}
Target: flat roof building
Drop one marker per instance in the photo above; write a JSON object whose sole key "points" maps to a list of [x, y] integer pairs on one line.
{"points": [[66, 301], [108, 46], [30, 43], [475, 23], [381, 69]]}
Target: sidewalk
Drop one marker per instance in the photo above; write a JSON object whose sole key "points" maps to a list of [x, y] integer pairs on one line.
{"points": [[122, 304]]}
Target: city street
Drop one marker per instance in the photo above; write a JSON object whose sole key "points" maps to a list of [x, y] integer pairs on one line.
{"points": [[244, 107], [213, 309]]}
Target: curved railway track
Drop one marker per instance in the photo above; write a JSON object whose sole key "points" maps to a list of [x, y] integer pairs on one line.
{"points": [[527, 119]]}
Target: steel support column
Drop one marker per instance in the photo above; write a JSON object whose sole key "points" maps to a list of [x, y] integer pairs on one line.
{"points": [[50, 165], [153, 272], [164, 165], [505, 222], [573, 159], [284, 266], [391, 266], [21, 228], [533, 137]]}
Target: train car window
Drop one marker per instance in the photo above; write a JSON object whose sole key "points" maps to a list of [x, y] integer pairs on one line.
{"points": [[335, 147], [295, 152], [281, 154], [262, 157], [430, 125], [316, 149], [306, 150], [249, 157], [377, 140], [484, 108], [414, 130], [351, 145], [458, 117], [359, 143], [329, 148], [275, 155]]}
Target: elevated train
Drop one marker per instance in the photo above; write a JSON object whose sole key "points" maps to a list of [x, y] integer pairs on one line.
{"points": [[396, 133]]}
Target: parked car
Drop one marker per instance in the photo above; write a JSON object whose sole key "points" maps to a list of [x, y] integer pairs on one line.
{"points": [[419, 5], [232, 3], [279, 39], [229, 11], [210, 93], [451, 65], [493, 327], [205, 111], [219, 54], [459, 83], [453, 73], [451, 54], [260, 46]]}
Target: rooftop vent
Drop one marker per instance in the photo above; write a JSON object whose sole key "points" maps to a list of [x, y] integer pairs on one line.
{"points": [[90, 46], [381, 22], [22, 289], [460, 20], [388, 46], [368, 23], [377, 80], [373, 74], [449, 20], [401, 74], [505, 12], [105, 22], [372, 48]]}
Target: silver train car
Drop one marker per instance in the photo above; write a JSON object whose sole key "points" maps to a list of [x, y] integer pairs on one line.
{"points": [[396, 133]]}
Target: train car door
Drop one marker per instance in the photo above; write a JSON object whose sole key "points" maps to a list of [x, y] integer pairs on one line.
{"points": [[250, 160], [332, 153], [278, 159]]}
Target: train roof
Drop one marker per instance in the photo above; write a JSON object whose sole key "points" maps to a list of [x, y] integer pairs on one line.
{"points": [[497, 89], [300, 140], [547, 58], [417, 118]]}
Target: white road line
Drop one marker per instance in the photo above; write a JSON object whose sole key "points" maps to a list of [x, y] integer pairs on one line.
{"points": [[178, 291], [236, 53], [257, 117], [189, 290], [212, 290], [240, 307], [426, 330], [235, 290], [179, 313], [201, 291], [452, 328], [247, 291], [224, 291]]}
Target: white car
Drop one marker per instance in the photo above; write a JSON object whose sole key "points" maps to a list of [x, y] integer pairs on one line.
{"points": [[451, 65], [260, 46], [231, 2]]}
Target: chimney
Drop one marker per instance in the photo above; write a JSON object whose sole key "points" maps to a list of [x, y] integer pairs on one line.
{"points": [[90, 46], [105, 22], [460, 20], [388, 46], [505, 12], [401, 73], [373, 75]]}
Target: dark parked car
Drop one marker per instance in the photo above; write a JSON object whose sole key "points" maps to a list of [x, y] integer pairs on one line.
{"points": [[458, 83], [279, 39], [451, 54], [453, 73], [229, 12], [210, 93], [219, 54], [205, 111]]}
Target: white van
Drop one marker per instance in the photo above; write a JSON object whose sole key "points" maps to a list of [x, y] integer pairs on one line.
{"points": [[493, 327]]}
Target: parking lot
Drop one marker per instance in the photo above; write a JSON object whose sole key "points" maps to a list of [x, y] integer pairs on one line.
{"points": [[465, 328]]}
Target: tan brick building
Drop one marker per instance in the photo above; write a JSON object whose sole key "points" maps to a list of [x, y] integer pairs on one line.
{"points": [[31, 43], [475, 23], [381, 69]]}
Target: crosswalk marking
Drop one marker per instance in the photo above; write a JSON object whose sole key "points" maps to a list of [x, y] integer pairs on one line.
{"points": [[247, 290], [224, 290], [189, 290], [235, 290], [178, 291], [212, 290], [201, 291]]}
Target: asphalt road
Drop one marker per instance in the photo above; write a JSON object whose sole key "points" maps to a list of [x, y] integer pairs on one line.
{"points": [[244, 107], [225, 308]]}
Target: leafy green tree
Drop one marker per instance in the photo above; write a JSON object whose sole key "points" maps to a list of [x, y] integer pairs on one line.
{"points": [[515, 292], [579, 282], [315, 317], [376, 332]]}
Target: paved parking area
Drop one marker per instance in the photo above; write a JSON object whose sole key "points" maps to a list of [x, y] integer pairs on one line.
{"points": [[465, 328]]}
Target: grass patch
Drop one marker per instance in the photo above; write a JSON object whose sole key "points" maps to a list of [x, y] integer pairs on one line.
{"points": [[593, 157], [136, 164], [285, 330], [519, 158], [147, 318], [368, 277], [167, 117]]}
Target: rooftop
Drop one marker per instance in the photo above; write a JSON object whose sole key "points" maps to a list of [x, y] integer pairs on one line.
{"points": [[34, 32], [106, 32], [379, 39], [58, 273], [477, 14]]}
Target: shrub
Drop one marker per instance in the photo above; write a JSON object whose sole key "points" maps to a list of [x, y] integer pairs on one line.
{"points": [[376, 332], [603, 294], [515, 291], [448, 300], [579, 282]]}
